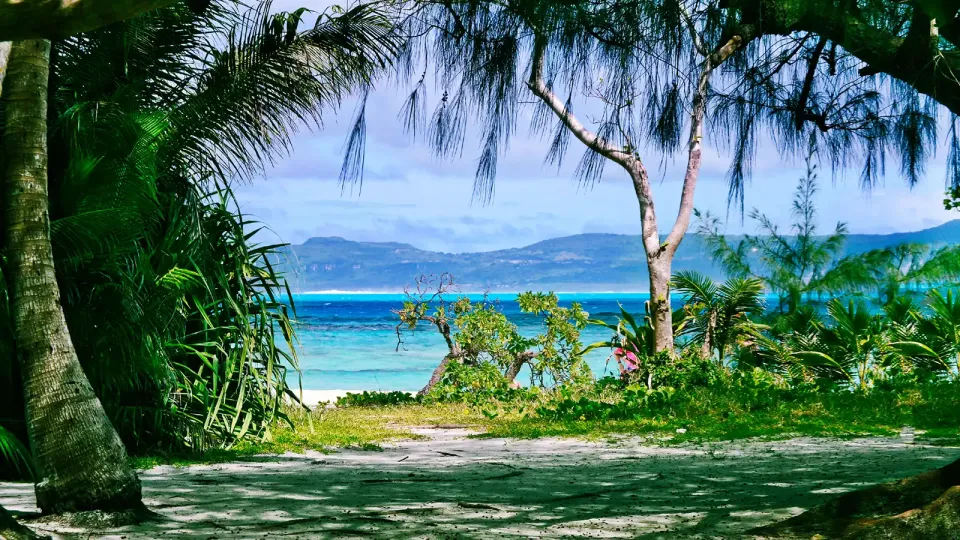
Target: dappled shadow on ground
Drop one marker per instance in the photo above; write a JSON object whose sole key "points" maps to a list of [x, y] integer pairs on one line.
{"points": [[456, 488]]}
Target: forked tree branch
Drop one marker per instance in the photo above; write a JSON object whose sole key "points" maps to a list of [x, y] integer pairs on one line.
{"points": [[539, 87], [694, 151]]}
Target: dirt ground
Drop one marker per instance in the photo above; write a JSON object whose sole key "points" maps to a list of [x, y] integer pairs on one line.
{"points": [[453, 487]]}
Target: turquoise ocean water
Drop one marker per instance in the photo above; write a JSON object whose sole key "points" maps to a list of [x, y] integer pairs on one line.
{"points": [[349, 341]]}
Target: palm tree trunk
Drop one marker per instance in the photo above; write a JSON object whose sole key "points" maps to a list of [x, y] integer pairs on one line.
{"points": [[708, 339], [10, 529], [82, 464]]}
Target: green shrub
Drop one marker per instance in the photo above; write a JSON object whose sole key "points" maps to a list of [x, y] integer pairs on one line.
{"points": [[476, 384], [635, 401], [376, 399]]}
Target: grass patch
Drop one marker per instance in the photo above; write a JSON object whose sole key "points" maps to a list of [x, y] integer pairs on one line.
{"points": [[696, 415], [322, 430]]}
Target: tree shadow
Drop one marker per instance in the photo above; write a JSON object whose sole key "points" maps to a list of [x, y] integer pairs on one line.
{"points": [[497, 488]]}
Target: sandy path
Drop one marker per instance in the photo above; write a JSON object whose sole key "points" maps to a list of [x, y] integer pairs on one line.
{"points": [[451, 487]]}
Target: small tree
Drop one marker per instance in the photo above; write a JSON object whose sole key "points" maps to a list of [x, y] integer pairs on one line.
{"points": [[650, 65], [790, 266], [718, 315], [479, 335]]}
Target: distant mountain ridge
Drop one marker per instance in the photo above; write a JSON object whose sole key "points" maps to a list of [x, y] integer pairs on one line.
{"points": [[584, 262]]}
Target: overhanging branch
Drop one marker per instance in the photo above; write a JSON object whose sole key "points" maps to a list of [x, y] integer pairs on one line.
{"points": [[53, 19]]}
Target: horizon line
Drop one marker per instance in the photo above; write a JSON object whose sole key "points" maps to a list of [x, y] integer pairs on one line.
{"points": [[369, 292], [689, 233]]}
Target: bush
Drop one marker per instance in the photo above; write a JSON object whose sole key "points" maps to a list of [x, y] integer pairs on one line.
{"points": [[376, 399], [688, 370], [634, 402], [476, 384]]}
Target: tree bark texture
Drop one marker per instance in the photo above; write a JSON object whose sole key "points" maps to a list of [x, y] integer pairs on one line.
{"points": [[918, 507], [514, 368], [437, 374], [82, 464]]}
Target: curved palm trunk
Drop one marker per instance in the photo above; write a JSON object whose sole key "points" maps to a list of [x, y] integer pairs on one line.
{"points": [[82, 464], [10, 529], [918, 507]]}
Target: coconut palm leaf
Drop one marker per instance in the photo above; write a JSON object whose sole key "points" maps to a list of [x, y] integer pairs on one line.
{"points": [[180, 319]]}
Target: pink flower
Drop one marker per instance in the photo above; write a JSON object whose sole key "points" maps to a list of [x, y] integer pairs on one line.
{"points": [[628, 358], [514, 384], [631, 361]]}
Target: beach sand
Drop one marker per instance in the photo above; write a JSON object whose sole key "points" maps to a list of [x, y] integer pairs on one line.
{"points": [[450, 486]]}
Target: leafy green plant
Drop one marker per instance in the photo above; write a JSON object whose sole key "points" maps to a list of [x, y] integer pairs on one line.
{"points": [[790, 265], [933, 339], [478, 384], [636, 338], [481, 338], [376, 399], [855, 347], [16, 454], [635, 401], [718, 315]]}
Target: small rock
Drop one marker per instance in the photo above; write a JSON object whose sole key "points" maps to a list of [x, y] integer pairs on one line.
{"points": [[682, 430]]}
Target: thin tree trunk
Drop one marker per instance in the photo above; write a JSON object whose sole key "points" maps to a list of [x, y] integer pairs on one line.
{"points": [[453, 356], [514, 368], [708, 338], [659, 254], [81, 462], [661, 312], [437, 374]]}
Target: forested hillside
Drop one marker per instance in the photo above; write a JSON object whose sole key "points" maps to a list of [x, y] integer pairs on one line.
{"points": [[584, 262]]}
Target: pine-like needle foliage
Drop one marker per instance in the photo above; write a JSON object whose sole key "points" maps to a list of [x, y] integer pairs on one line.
{"points": [[791, 264], [799, 78]]}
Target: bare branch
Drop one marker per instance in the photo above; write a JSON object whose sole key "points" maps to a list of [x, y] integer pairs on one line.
{"points": [[692, 28], [539, 87], [694, 152]]}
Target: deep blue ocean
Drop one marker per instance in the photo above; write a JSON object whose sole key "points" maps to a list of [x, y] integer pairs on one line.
{"points": [[349, 341]]}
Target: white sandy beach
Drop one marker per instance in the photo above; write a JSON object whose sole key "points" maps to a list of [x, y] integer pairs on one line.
{"points": [[450, 486]]}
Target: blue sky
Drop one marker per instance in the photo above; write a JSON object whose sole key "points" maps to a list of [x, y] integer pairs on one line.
{"points": [[410, 196]]}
